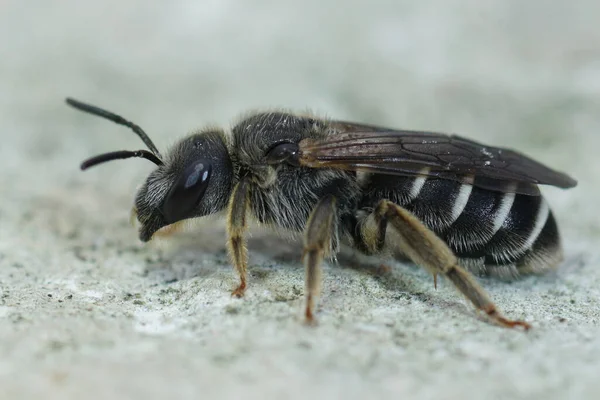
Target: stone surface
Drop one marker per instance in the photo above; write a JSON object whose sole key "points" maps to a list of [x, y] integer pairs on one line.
{"points": [[88, 312]]}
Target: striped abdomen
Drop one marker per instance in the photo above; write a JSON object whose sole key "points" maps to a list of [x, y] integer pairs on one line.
{"points": [[503, 234]]}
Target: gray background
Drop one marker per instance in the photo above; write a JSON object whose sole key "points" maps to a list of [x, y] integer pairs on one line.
{"points": [[89, 312]]}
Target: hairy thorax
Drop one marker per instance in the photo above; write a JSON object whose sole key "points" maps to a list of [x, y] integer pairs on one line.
{"points": [[284, 196]]}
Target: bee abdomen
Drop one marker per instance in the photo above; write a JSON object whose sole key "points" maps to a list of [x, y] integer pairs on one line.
{"points": [[495, 233], [517, 235]]}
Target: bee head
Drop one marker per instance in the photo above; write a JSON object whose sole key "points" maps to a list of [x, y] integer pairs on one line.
{"points": [[193, 180]]}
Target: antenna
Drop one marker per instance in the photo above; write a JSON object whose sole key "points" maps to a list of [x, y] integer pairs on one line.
{"points": [[119, 155], [90, 109]]}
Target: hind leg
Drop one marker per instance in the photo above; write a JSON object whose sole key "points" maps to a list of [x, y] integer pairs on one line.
{"points": [[424, 248]]}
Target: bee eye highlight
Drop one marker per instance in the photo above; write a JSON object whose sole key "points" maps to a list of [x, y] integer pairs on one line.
{"points": [[187, 192]]}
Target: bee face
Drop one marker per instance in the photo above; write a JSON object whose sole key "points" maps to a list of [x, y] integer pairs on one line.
{"points": [[195, 180]]}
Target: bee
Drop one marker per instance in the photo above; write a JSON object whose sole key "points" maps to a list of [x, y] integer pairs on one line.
{"points": [[456, 207]]}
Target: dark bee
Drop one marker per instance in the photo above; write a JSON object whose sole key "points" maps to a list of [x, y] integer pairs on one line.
{"points": [[454, 206]]}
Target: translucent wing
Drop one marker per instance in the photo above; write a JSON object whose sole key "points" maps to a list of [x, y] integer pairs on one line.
{"points": [[412, 153]]}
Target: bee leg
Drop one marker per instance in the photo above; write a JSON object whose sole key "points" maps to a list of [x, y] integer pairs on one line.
{"points": [[425, 248], [236, 227], [317, 242]]}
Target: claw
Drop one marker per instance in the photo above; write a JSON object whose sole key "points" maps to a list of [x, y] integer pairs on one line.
{"points": [[309, 318], [503, 321], [240, 290], [513, 324]]}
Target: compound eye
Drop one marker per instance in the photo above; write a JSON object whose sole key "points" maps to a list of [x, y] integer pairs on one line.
{"points": [[283, 152], [187, 192]]}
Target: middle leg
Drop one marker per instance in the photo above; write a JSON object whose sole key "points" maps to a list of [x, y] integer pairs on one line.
{"points": [[317, 242]]}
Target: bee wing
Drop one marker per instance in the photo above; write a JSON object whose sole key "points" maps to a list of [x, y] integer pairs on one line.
{"points": [[413, 153]]}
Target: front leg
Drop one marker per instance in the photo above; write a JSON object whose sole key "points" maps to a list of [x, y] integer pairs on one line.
{"points": [[317, 242], [236, 227]]}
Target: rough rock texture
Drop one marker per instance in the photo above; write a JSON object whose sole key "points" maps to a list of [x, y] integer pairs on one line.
{"points": [[88, 312]]}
